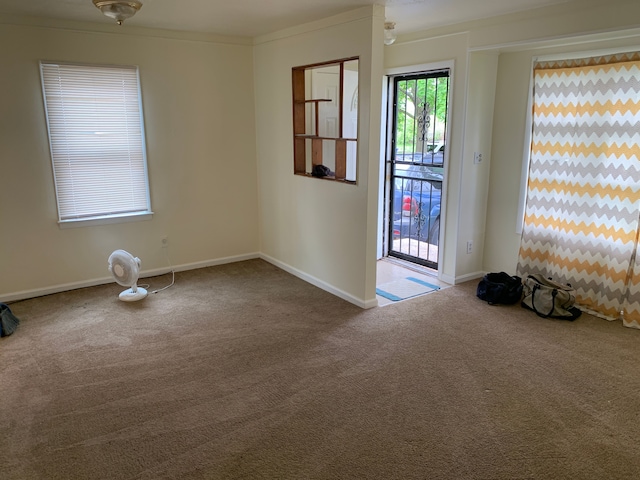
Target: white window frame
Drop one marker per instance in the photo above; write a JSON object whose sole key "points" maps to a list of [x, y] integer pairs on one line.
{"points": [[97, 143]]}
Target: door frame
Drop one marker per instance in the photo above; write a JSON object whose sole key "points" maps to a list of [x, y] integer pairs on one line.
{"points": [[386, 154]]}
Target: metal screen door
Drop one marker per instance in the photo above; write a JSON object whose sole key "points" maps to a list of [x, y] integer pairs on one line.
{"points": [[418, 147]]}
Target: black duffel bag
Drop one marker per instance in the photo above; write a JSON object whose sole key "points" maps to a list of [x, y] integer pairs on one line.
{"points": [[500, 288]]}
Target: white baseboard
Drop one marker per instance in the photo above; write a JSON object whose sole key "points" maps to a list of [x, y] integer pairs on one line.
{"points": [[465, 278], [39, 292], [204, 264], [320, 284]]}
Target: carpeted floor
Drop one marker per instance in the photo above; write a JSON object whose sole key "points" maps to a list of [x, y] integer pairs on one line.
{"points": [[242, 371]]}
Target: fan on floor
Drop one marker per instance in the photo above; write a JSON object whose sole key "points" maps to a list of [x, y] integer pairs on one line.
{"points": [[125, 269]]}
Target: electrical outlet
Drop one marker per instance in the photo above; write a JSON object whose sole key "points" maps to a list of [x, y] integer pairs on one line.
{"points": [[469, 247], [165, 242], [477, 157]]}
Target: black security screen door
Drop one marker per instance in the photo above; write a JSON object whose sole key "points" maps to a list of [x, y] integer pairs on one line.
{"points": [[417, 165]]}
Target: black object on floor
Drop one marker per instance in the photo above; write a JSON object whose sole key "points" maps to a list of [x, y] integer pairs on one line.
{"points": [[8, 321]]}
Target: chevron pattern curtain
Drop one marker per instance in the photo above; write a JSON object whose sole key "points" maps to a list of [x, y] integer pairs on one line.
{"points": [[583, 199]]}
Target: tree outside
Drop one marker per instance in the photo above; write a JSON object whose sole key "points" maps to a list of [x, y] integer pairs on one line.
{"points": [[421, 112]]}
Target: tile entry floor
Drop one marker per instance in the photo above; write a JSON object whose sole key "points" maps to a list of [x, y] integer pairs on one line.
{"points": [[389, 269]]}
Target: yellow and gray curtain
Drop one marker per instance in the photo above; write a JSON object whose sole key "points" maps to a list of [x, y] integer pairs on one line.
{"points": [[583, 199]]}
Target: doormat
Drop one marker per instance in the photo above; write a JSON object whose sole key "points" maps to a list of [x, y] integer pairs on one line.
{"points": [[405, 288]]}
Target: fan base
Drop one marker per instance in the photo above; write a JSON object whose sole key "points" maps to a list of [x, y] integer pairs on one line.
{"points": [[131, 296]]}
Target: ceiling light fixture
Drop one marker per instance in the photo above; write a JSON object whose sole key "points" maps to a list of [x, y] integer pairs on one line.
{"points": [[389, 34], [118, 10]]}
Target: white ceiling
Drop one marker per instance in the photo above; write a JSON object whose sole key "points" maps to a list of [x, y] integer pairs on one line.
{"points": [[258, 17]]}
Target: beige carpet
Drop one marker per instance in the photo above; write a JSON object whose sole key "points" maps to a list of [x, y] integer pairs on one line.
{"points": [[245, 372]]}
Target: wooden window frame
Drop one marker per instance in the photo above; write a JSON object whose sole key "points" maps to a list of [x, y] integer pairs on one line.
{"points": [[300, 135]]}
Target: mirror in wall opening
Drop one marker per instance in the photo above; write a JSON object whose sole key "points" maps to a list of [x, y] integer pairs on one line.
{"points": [[325, 120]]}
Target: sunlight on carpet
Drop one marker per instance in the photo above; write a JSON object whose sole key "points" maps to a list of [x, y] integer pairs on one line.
{"points": [[405, 288]]}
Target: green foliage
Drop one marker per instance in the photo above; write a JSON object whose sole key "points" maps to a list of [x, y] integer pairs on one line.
{"points": [[412, 95]]}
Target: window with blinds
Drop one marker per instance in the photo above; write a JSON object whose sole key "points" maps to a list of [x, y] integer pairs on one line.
{"points": [[96, 135]]}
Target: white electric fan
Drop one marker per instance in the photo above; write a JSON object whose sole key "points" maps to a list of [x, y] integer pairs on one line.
{"points": [[125, 269]]}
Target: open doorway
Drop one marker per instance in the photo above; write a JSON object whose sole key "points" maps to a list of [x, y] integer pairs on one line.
{"points": [[417, 152]]}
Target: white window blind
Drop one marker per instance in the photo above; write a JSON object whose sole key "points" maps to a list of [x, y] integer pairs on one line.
{"points": [[96, 135]]}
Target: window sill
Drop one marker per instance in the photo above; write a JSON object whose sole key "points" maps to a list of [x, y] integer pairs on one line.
{"points": [[105, 220], [331, 178]]}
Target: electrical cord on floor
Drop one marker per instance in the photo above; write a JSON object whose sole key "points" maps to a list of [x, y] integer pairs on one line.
{"points": [[173, 276], [173, 273]]}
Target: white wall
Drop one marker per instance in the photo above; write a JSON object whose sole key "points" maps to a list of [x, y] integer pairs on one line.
{"points": [[322, 231], [492, 59], [222, 183], [569, 28], [505, 189], [198, 104], [414, 56], [481, 88]]}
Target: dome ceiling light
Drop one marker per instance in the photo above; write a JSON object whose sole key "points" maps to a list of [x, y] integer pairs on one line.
{"points": [[389, 34], [118, 10]]}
